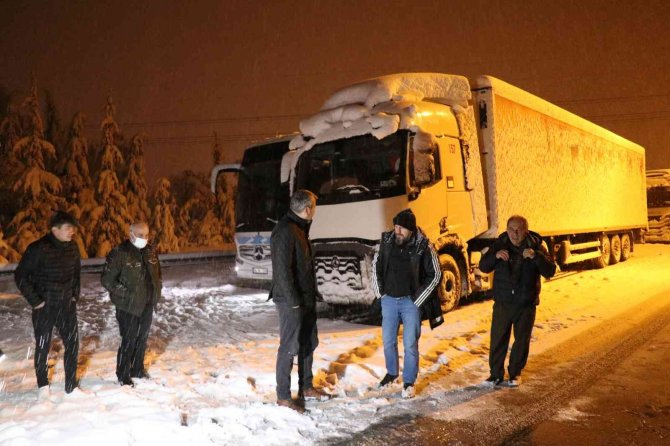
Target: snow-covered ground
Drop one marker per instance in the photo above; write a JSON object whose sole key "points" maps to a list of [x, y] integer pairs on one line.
{"points": [[212, 353]]}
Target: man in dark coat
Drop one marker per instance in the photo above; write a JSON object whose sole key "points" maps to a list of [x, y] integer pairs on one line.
{"points": [[48, 277], [294, 293], [132, 275], [518, 259], [405, 274]]}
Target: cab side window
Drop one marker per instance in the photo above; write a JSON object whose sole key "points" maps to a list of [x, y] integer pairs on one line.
{"points": [[425, 166]]}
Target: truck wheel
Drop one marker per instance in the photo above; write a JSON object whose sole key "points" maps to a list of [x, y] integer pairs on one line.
{"points": [[450, 284], [626, 247], [604, 259], [615, 249]]}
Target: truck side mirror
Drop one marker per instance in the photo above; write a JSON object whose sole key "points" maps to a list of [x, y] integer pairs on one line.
{"points": [[413, 193]]}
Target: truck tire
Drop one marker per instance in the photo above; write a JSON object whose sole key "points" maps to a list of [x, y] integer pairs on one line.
{"points": [[604, 259], [615, 249], [450, 284], [626, 247]]}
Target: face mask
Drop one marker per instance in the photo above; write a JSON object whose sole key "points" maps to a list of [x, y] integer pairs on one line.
{"points": [[139, 243]]}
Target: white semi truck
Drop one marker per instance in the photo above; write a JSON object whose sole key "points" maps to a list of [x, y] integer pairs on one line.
{"points": [[261, 200], [464, 156], [658, 205]]}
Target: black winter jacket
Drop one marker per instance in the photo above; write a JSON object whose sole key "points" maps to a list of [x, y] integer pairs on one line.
{"points": [[293, 276], [525, 291], [49, 272], [122, 277], [425, 273]]}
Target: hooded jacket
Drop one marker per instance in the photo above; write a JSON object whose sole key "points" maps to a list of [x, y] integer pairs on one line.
{"points": [[523, 288]]}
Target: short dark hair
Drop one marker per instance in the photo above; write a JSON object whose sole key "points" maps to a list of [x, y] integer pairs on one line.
{"points": [[60, 218], [301, 199]]}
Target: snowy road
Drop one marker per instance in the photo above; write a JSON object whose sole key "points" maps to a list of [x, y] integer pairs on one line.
{"points": [[212, 364]]}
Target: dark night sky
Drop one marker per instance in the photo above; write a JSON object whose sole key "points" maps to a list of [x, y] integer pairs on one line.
{"points": [[249, 69]]}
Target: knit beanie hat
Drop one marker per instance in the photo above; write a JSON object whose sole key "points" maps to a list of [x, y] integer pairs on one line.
{"points": [[406, 219]]}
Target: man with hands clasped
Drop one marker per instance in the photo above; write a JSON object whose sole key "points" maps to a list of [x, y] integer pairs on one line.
{"points": [[518, 259]]}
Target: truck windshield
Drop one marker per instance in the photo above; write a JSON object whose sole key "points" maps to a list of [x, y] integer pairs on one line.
{"points": [[261, 201], [658, 197], [355, 169]]}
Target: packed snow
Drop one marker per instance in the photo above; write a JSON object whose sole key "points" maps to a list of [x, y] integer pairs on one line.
{"points": [[212, 355]]}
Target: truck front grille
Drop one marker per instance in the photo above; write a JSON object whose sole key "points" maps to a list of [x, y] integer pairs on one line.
{"points": [[255, 253]]}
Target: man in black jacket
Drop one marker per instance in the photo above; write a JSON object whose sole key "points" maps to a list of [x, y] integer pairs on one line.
{"points": [[132, 275], [518, 259], [405, 274], [48, 277], [294, 293]]}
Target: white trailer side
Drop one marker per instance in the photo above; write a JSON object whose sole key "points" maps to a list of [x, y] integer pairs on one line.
{"points": [[562, 172]]}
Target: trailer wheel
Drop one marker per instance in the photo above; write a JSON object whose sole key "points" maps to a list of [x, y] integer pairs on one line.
{"points": [[626, 247], [615, 249], [450, 283], [604, 259]]}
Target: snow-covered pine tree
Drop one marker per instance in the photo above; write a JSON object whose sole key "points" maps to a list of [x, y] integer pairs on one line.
{"points": [[162, 223], [38, 188], [7, 254], [10, 168], [110, 221], [136, 186], [77, 182], [199, 226], [225, 208]]}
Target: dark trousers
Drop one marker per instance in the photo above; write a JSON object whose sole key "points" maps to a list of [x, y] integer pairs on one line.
{"points": [[65, 319], [297, 337], [134, 332], [505, 319]]}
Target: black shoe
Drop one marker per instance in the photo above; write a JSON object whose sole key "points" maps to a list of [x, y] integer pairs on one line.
{"points": [[408, 390], [71, 386], [388, 379], [127, 382], [513, 381], [142, 375], [494, 380]]}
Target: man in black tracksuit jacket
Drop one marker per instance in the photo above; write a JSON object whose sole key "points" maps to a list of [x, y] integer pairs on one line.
{"points": [[518, 259], [294, 293], [48, 277], [405, 275], [132, 276]]}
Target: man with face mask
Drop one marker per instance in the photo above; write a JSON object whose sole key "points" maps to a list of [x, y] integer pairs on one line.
{"points": [[132, 276], [405, 274]]}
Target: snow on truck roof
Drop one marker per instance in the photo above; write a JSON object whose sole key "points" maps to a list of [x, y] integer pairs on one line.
{"points": [[380, 106], [522, 97], [446, 87], [356, 107]]}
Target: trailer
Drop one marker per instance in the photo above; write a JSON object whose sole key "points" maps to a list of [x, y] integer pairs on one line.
{"points": [[658, 206]]}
